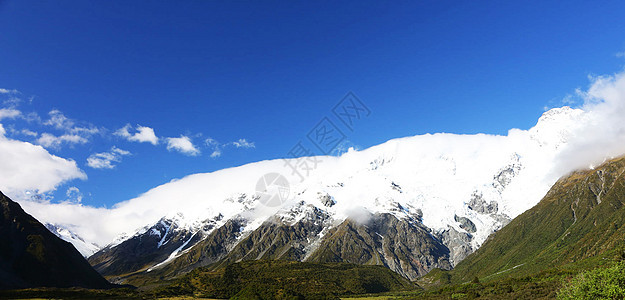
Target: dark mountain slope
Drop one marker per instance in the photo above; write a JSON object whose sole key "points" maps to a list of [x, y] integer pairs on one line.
{"points": [[580, 220], [32, 256]]}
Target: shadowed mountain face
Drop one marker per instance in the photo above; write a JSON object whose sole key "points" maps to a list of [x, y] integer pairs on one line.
{"points": [[32, 256], [580, 220]]}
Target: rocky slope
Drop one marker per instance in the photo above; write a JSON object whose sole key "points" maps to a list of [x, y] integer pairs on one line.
{"points": [[403, 245], [32, 256]]}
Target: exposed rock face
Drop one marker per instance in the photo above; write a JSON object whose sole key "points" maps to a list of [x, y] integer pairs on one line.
{"points": [[277, 239], [459, 244], [327, 200], [32, 256], [506, 174], [465, 223], [405, 246], [479, 205]]}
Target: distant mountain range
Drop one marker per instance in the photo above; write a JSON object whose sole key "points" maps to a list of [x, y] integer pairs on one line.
{"points": [[411, 204]]}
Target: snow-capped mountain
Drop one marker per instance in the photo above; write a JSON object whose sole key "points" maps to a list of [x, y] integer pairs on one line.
{"points": [[451, 191], [160, 242], [85, 248]]}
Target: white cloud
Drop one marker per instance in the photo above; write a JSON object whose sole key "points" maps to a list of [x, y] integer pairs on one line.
{"points": [[124, 131], [216, 153], [106, 160], [28, 132], [73, 195], [85, 131], [32, 117], [218, 147], [72, 134], [30, 167], [59, 121], [49, 140], [243, 143], [102, 225], [182, 144], [143, 134], [602, 134], [9, 113], [215, 145], [7, 91], [211, 142]]}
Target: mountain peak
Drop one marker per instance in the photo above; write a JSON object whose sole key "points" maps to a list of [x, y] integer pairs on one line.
{"points": [[555, 127]]}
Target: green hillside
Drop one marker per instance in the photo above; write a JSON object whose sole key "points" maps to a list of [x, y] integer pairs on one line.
{"points": [[271, 279], [575, 231]]}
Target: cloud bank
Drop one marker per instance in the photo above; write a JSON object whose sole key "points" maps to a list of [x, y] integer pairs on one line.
{"points": [[601, 134]]}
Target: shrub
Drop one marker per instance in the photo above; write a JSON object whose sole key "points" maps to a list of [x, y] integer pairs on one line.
{"points": [[600, 283]]}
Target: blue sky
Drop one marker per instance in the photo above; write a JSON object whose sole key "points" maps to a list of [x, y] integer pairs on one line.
{"points": [[257, 76]]}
